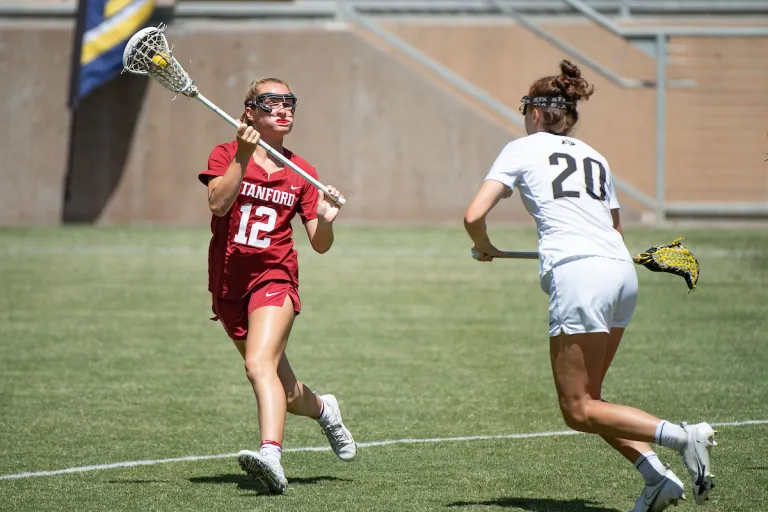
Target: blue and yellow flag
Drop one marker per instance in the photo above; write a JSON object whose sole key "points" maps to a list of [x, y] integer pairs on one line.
{"points": [[104, 27]]}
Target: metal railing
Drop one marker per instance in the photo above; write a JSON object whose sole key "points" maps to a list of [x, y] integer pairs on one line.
{"points": [[328, 9], [690, 7], [621, 81], [465, 86], [660, 36], [623, 8], [361, 13]]}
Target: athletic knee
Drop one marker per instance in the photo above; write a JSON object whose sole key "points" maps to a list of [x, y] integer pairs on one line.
{"points": [[576, 413], [258, 368]]}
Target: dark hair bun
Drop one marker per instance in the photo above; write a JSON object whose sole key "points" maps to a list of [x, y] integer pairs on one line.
{"points": [[569, 69], [570, 83]]}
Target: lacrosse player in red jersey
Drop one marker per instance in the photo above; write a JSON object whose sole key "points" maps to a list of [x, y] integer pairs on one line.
{"points": [[253, 269], [588, 273]]}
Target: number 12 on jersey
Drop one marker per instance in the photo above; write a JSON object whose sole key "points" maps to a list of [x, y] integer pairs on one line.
{"points": [[253, 238], [588, 167]]}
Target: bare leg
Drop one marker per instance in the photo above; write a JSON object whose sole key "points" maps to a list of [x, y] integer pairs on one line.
{"points": [[301, 401], [631, 450], [577, 366], [268, 331], [276, 387]]}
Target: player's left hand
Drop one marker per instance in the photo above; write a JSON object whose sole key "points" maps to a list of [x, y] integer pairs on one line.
{"points": [[327, 210]]}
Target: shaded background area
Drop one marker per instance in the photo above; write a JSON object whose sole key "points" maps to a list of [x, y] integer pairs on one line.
{"points": [[103, 134]]}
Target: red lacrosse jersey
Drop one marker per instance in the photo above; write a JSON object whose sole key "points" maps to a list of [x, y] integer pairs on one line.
{"points": [[253, 242]]}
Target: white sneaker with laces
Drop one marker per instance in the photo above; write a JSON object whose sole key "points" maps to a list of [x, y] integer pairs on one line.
{"points": [[340, 438], [696, 457], [666, 493], [267, 469]]}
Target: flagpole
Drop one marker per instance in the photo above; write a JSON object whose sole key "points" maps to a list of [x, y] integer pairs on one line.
{"points": [[73, 101], [77, 49]]}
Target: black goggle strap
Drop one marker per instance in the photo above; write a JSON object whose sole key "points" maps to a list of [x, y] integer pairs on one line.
{"points": [[546, 102], [288, 101]]}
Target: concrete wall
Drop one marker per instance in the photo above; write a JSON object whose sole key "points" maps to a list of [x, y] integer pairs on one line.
{"points": [[34, 132], [717, 131], [400, 148], [401, 145], [716, 142], [513, 57]]}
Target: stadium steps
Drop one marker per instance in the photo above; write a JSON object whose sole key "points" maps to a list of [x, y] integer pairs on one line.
{"points": [[715, 131], [491, 55]]}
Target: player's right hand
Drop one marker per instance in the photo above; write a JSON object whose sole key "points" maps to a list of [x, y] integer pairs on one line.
{"points": [[485, 253], [247, 139]]}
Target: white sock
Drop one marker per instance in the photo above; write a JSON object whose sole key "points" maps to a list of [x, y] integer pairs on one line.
{"points": [[649, 465], [324, 414], [672, 436], [271, 449]]}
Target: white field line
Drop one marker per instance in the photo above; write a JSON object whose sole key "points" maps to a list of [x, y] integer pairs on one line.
{"points": [[191, 458], [202, 249]]}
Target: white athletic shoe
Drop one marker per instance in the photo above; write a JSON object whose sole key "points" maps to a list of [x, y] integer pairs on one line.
{"points": [[701, 439], [340, 438], [666, 493], [266, 469]]}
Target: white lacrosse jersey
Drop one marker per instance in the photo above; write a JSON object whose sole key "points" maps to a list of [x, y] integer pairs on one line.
{"points": [[568, 189]]}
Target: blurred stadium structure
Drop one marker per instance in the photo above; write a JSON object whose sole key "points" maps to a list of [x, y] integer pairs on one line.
{"points": [[403, 104]]}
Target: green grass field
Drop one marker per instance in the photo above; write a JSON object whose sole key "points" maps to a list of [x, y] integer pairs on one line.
{"points": [[107, 355]]}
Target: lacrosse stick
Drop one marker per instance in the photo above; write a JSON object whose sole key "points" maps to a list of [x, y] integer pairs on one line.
{"points": [[147, 53], [673, 258], [518, 255]]}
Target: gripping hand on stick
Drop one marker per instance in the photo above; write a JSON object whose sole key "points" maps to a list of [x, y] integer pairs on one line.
{"points": [[327, 208], [247, 140]]}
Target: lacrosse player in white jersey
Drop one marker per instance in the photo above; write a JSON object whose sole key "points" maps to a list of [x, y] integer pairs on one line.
{"points": [[588, 273]]}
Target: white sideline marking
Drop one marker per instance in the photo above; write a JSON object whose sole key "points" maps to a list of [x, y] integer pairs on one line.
{"points": [[130, 464], [202, 249]]}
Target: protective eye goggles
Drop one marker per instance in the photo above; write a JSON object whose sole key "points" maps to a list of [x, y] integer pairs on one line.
{"points": [[545, 102], [269, 100]]}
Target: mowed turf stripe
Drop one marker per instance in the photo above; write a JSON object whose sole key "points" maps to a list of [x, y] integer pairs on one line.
{"points": [[192, 458]]}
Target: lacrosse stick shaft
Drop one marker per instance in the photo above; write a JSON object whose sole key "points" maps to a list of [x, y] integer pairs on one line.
{"points": [[523, 255], [518, 255], [234, 122]]}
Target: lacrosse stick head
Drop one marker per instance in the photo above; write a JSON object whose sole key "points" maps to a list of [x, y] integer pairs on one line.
{"points": [[674, 259], [148, 53]]}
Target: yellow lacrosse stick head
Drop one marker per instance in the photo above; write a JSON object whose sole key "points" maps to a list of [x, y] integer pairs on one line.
{"points": [[674, 259]]}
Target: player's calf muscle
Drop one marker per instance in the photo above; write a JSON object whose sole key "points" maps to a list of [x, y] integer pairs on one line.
{"points": [[301, 401]]}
